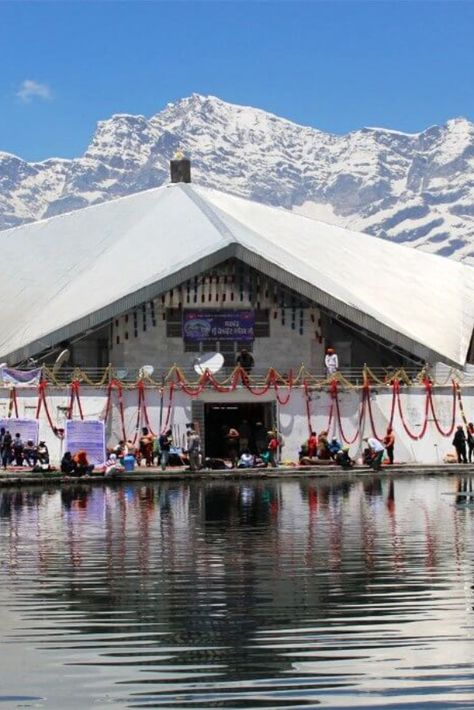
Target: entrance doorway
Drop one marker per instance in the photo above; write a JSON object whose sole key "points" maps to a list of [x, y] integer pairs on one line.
{"points": [[251, 419]]}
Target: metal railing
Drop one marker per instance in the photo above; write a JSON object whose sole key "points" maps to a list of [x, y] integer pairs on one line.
{"points": [[128, 376]]}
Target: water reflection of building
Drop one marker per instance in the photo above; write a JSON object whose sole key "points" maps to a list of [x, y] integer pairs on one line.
{"points": [[212, 564]]}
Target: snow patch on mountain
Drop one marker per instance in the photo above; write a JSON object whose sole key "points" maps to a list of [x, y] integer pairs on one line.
{"points": [[415, 188]]}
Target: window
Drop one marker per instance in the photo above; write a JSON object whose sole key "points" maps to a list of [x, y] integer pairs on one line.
{"points": [[262, 324], [174, 323], [191, 347]]}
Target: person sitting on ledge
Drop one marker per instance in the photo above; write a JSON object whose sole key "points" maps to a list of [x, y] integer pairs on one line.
{"points": [[30, 453], [68, 466], [43, 453], [312, 445], [42, 461], [343, 458], [323, 446], [112, 466], [83, 467], [334, 447], [247, 460], [119, 450]]}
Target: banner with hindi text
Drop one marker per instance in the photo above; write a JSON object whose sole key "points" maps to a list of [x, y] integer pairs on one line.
{"points": [[201, 325], [19, 378], [88, 436]]}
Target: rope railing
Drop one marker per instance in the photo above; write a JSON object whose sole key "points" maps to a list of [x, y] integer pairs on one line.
{"points": [[443, 422]]}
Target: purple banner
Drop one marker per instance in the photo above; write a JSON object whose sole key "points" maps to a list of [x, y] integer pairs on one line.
{"points": [[11, 376], [88, 436], [218, 325]]}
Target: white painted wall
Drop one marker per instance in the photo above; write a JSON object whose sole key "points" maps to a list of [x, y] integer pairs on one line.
{"points": [[292, 416]]}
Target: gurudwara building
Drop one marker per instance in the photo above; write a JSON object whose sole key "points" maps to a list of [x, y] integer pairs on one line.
{"points": [[138, 290]]}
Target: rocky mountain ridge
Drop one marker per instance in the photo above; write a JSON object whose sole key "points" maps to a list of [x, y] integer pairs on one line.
{"points": [[409, 188]]}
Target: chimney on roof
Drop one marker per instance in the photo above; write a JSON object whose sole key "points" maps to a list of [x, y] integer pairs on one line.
{"points": [[180, 168]]}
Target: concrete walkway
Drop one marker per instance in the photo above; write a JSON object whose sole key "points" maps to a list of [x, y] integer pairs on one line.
{"points": [[18, 477]]}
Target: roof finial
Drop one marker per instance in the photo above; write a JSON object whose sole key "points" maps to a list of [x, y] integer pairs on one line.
{"points": [[180, 167]]}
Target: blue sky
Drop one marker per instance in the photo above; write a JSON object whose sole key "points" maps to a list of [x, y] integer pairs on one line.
{"points": [[335, 65]]}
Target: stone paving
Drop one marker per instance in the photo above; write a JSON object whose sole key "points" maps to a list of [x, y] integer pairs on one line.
{"points": [[18, 476]]}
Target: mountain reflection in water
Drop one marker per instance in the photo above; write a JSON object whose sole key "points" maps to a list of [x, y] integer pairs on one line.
{"points": [[267, 594]]}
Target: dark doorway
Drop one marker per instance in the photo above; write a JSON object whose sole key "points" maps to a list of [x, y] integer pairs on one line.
{"points": [[252, 421]]}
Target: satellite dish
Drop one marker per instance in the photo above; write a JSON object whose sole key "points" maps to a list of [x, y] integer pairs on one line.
{"points": [[209, 361], [121, 373], [146, 371], [63, 357]]}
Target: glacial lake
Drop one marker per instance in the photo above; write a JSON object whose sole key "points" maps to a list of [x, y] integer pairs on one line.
{"points": [[266, 594]]}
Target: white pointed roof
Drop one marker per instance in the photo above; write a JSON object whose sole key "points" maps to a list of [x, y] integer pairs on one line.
{"points": [[65, 275]]}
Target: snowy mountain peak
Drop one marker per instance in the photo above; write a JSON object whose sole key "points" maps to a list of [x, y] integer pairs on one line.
{"points": [[414, 188]]}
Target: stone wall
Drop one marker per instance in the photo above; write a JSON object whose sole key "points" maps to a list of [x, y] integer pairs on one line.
{"points": [[284, 349]]}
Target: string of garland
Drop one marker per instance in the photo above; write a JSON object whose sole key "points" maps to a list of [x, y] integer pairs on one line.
{"points": [[429, 387], [365, 406], [360, 427], [12, 403], [142, 412], [170, 404], [240, 378], [42, 402], [74, 397], [115, 384]]}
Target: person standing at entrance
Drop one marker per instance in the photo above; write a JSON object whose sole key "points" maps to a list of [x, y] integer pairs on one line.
{"points": [[389, 441], [233, 438], [273, 446], [377, 449], [145, 447], [194, 448], [459, 443], [260, 438], [244, 431], [331, 362]]}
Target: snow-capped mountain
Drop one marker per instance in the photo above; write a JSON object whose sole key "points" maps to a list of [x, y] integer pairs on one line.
{"points": [[413, 188]]}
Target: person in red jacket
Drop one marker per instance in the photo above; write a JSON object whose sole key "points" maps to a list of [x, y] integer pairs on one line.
{"points": [[273, 445], [313, 445], [389, 443]]}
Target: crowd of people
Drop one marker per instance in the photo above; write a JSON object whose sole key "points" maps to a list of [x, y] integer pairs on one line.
{"points": [[463, 443], [15, 452], [320, 449], [246, 447]]}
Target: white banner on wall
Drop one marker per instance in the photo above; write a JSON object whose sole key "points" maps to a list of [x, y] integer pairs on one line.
{"points": [[88, 436], [27, 428]]}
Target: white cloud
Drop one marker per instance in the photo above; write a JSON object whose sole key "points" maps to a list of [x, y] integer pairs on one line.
{"points": [[30, 90]]}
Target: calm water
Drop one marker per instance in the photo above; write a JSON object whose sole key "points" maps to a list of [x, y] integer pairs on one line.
{"points": [[259, 595]]}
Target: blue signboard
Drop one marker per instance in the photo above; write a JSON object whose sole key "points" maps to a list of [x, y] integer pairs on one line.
{"points": [[218, 325], [88, 436]]}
